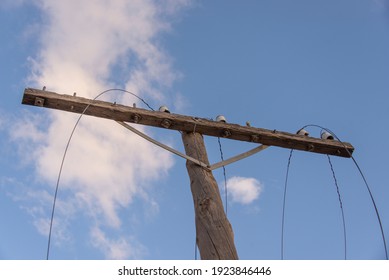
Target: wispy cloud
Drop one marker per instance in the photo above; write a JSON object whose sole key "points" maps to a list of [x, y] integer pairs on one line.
{"points": [[244, 190], [117, 249], [82, 42]]}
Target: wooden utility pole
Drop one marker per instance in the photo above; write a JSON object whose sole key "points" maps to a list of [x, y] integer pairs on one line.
{"points": [[214, 235]]}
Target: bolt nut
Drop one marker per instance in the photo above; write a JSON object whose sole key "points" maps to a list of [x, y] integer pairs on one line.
{"points": [[254, 138], [136, 118], [166, 123], [226, 133]]}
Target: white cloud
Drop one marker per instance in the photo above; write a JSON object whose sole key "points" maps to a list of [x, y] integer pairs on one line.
{"points": [[244, 190], [37, 203], [85, 40], [116, 249], [106, 166]]}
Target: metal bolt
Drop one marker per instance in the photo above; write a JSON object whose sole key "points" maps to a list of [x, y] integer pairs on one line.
{"points": [[136, 118], [226, 133], [254, 138], [166, 123]]}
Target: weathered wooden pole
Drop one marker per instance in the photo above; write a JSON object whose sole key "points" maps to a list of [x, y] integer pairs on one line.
{"points": [[214, 235]]}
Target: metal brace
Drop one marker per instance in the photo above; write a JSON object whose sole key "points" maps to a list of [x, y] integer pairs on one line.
{"points": [[196, 161]]}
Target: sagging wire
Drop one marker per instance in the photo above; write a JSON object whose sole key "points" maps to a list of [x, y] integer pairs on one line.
{"points": [[66, 150], [225, 176], [341, 207], [284, 204], [364, 180], [340, 201]]}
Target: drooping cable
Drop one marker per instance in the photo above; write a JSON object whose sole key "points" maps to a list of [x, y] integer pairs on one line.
{"points": [[366, 184], [341, 207], [224, 174], [65, 153], [375, 206], [284, 204]]}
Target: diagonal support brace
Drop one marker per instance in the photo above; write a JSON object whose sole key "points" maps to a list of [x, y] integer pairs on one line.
{"points": [[238, 157], [198, 162], [144, 136]]}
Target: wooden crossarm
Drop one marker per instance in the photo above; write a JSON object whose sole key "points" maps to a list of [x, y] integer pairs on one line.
{"points": [[184, 123]]}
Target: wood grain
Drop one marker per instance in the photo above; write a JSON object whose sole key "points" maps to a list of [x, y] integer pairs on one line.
{"points": [[214, 235], [184, 123]]}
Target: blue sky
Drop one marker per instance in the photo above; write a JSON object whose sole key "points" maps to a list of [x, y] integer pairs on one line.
{"points": [[278, 64]]}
